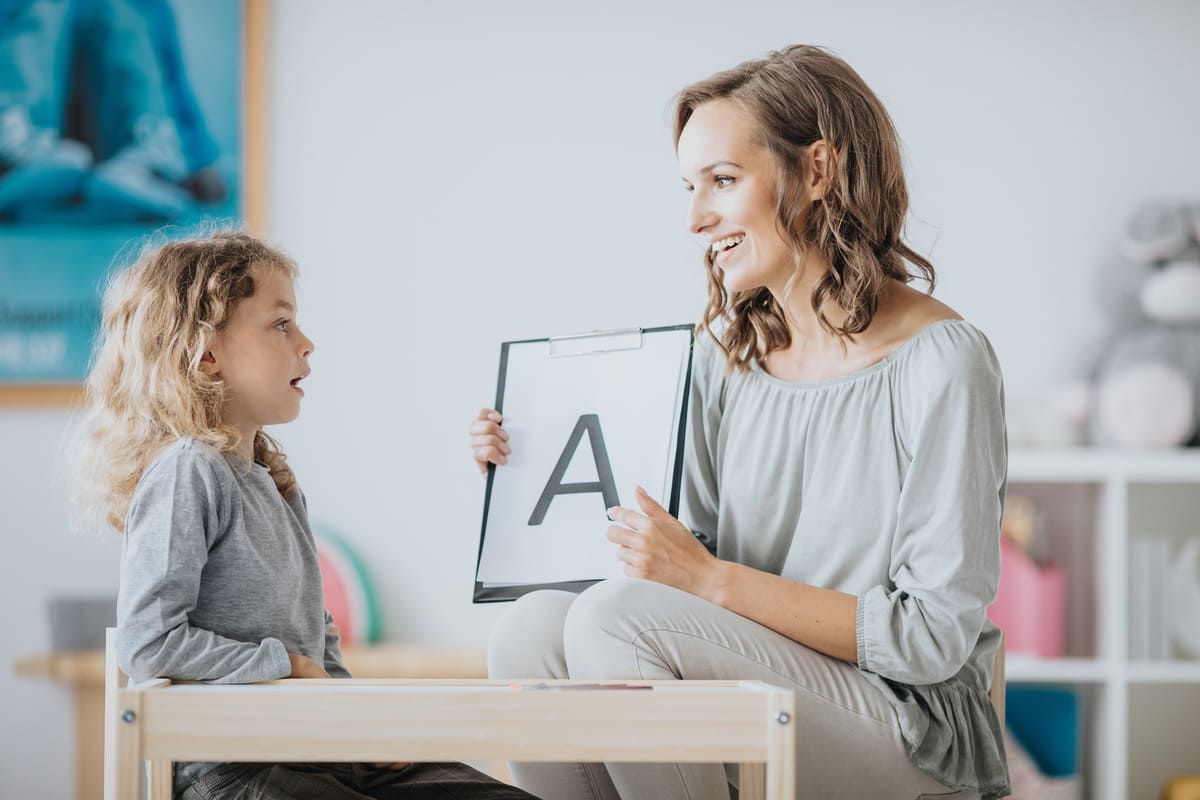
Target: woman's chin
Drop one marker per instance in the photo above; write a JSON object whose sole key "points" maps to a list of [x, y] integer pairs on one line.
{"points": [[743, 279], [734, 283]]}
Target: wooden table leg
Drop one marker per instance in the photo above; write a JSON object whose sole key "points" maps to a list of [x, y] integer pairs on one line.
{"points": [[89, 742], [752, 781], [781, 747]]}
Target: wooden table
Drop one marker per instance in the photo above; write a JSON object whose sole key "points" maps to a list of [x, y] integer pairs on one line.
{"points": [[746, 722], [83, 673]]}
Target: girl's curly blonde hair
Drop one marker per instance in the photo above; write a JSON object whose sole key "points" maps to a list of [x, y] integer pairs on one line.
{"points": [[145, 388], [796, 96]]}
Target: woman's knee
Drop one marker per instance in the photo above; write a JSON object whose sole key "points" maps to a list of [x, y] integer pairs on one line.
{"points": [[527, 640], [622, 604], [603, 624]]}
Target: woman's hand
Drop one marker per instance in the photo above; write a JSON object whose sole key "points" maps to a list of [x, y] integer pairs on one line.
{"points": [[489, 442], [305, 667], [661, 548]]}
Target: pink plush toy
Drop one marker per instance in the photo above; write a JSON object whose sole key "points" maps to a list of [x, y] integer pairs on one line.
{"points": [[1145, 390]]}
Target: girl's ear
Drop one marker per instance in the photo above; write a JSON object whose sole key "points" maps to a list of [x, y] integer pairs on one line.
{"points": [[208, 363]]}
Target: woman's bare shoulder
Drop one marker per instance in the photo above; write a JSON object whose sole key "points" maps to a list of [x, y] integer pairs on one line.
{"points": [[913, 310]]}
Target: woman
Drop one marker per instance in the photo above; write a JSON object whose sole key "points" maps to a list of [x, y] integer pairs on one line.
{"points": [[844, 479]]}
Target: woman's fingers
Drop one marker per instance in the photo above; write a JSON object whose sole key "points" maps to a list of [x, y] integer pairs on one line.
{"points": [[489, 450], [480, 427], [491, 440], [628, 517], [488, 441], [634, 564], [624, 537], [650, 507], [486, 454]]}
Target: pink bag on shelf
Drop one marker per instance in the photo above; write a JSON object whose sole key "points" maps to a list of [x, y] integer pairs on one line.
{"points": [[1029, 605]]}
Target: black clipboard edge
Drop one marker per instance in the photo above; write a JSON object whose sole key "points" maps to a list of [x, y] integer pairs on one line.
{"points": [[681, 441], [499, 594], [502, 594]]}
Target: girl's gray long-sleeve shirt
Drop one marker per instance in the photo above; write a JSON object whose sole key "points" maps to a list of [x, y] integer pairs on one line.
{"points": [[888, 484], [219, 576]]}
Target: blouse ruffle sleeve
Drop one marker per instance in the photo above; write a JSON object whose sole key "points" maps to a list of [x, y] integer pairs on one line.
{"points": [[921, 627]]}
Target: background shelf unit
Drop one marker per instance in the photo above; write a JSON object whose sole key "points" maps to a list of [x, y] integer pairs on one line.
{"points": [[1141, 718]]}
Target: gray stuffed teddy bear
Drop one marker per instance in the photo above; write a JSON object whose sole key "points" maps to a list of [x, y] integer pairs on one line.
{"points": [[1145, 383]]}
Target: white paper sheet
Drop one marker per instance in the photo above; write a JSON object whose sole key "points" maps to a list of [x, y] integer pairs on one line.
{"points": [[636, 395]]}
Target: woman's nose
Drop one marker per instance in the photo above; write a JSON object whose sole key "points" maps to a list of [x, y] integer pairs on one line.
{"points": [[700, 215]]}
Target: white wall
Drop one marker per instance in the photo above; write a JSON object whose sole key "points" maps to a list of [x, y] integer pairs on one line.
{"points": [[453, 174], [41, 560]]}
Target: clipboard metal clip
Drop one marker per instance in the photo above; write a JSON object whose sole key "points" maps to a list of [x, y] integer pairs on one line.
{"points": [[580, 344]]}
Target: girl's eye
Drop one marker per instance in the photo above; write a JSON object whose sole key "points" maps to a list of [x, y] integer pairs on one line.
{"points": [[689, 188], [283, 325], [722, 180]]}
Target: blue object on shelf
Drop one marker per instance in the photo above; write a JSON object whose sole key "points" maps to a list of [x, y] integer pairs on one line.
{"points": [[1046, 721]]}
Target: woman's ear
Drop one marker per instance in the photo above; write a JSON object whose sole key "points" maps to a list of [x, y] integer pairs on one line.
{"points": [[823, 160]]}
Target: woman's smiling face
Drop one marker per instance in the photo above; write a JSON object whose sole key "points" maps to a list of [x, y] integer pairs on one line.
{"points": [[731, 177]]}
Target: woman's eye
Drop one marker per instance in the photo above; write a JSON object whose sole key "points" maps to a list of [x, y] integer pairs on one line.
{"points": [[283, 325], [722, 180]]}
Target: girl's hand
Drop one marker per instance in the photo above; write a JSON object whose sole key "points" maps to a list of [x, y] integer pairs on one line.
{"points": [[489, 442], [305, 667], [661, 548]]}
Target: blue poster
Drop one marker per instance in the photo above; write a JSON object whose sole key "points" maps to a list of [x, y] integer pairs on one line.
{"points": [[118, 119]]}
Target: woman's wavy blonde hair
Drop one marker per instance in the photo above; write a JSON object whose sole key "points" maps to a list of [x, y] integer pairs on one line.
{"points": [[796, 96], [145, 388]]}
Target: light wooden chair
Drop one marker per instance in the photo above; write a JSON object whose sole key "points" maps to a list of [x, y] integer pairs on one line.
{"points": [[158, 773]]}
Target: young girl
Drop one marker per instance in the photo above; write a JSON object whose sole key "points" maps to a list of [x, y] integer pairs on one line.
{"points": [[843, 481], [219, 574]]}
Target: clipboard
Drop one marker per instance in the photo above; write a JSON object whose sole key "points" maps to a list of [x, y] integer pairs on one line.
{"points": [[582, 373]]}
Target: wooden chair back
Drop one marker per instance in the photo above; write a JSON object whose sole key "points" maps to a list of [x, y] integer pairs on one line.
{"points": [[158, 776]]}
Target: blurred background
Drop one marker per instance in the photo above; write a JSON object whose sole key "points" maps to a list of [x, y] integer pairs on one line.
{"points": [[451, 175]]}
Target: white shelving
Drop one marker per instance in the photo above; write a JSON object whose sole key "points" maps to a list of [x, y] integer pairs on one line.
{"points": [[1095, 501], [1027, 669], [1085, 464]]}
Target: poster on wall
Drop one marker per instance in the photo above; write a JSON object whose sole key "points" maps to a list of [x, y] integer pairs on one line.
{"points": [[119, 120]]}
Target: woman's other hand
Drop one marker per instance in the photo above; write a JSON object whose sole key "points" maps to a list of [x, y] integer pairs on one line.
{"points": [[657, 547], [489, 442]]}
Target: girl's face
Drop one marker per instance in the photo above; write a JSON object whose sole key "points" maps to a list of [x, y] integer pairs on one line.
{"points": [[261, 355], [731, 179]]}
